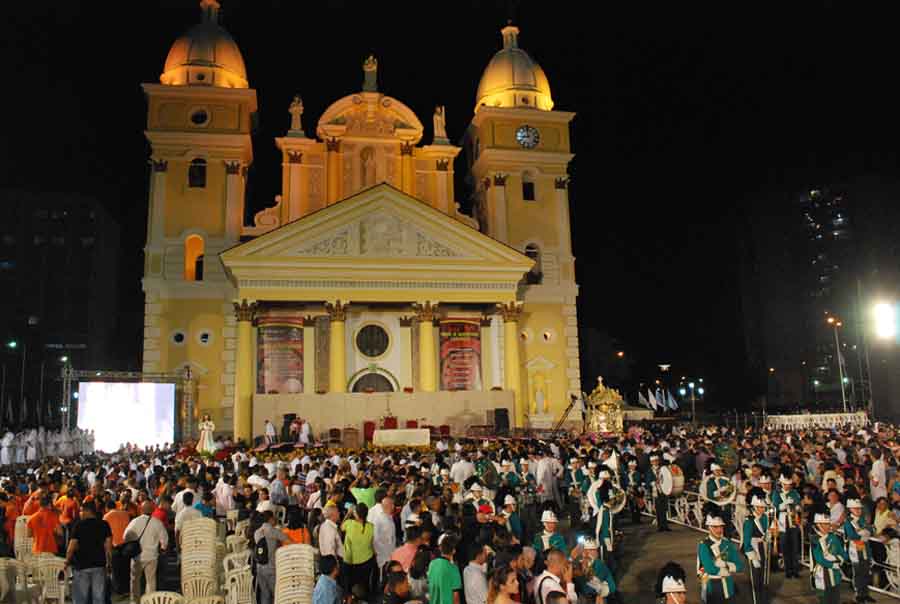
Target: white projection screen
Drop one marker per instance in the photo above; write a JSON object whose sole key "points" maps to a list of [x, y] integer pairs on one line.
{"points": [[139, 413]]}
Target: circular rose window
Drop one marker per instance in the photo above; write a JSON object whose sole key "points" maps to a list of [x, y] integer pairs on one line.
{"points": [[372, 341]]}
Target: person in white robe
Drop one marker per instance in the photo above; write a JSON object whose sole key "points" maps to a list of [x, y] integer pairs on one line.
{"points": [[206, 444], [21, 444], [304, 432], [31, 446], [5, 451]]}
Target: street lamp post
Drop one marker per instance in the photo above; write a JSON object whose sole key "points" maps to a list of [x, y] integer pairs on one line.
{"points": [[693, 404], [13, 345], [837, 347]]}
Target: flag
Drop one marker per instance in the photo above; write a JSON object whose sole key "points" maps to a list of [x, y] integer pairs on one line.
{"points": [[643, 401], [652, 400], [672, 404], [660, 399]]}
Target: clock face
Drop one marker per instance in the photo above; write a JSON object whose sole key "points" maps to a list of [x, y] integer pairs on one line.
{"points": [[528, 136]]}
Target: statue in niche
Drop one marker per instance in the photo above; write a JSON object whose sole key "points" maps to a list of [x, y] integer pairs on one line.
{"points": [[440, 123], [367, 159], [296, 111], [538, 393]]}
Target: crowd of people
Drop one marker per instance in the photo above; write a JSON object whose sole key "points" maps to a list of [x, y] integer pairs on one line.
{"points": [[31, 445], [472, 521]]}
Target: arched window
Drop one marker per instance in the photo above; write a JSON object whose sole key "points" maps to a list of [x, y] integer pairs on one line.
{"points": [[193, 258], [197, 173], [528, 187], [535, 275]]}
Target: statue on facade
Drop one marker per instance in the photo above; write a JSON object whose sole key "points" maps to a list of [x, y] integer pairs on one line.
{"points": [[370, 68], [440, 125], [296, 111]]}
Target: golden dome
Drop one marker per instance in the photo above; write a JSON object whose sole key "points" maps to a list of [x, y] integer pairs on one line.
{"points": [[206, 55], [513, 79]]}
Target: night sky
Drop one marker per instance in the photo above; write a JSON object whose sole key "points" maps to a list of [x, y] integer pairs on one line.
{"points": [[688, 120]]}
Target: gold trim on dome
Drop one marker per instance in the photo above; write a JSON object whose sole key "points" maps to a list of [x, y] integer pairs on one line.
{"points": [[245, 312]]}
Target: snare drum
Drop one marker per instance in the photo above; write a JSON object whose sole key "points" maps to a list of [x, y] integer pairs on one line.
{"points": [[671, 480]]}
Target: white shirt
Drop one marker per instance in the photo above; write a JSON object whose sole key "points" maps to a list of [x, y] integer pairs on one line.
{"points": [[475, 583], [262, 506], [385, 539], [545, 588], [462, 470], [184, 515], [153, 538], [878, 479], [330, 543], [178, 500]]}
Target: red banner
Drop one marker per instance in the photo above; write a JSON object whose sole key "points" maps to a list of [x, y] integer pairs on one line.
{"points": [[460, 354], [279, 364]]}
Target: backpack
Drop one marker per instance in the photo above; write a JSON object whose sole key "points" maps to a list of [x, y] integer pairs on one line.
{"points": [[261, 552]]}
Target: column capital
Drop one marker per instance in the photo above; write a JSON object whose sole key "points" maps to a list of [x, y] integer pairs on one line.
{"points": [[245, 311], [159, 165], [511, 311], [336, 310], [442, 164], [500, 179], [332, 144], [406, 148], [233, 167], [406, 321], [425, 311], [561, 182], [295, 157], [486, 320], [309, 321]]}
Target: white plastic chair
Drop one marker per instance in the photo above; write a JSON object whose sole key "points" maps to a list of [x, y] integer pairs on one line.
{"points": [[198, 586], [235, 561], [239, 586], [240, 527], [280, 514], [236, 543], [206, 600], [162, 597], [231, 519], [52, 587]]}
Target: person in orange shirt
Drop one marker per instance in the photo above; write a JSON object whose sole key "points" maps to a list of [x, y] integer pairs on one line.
{"points": [[33, 503], [118, 521], [11, 511], [296, 530], [126, 504], [67, 504], [45, 527]]}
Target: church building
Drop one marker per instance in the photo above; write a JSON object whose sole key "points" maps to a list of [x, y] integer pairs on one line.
{"points": [[364, 292]]}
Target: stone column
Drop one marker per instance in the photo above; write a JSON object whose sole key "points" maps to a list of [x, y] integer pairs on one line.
{"points": [[487, 354], [157, 215], [562, 209], [243, 390], [499, 207], [407, 169], [309, 354], [234, 212], [511, 313], [296, 201], [337, 353], [425, 314], [333, 170], [406, 348]]}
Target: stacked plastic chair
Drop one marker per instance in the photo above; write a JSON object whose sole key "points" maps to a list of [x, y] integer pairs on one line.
{"points": [[24, 543], [231, 518], [199, 571], [241, 526], [295, 574], [51, 578], [235, 543], [14, 585], [238, 578], [162, 597]]}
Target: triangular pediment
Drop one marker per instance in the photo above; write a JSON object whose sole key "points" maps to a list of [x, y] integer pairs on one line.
{"points": [[379, 233]]}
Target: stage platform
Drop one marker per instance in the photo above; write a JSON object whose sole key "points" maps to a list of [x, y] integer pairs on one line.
{"points": [[459, 409]]}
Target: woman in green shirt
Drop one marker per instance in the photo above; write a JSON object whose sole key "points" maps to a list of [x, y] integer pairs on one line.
{"points": [[359, 554]]}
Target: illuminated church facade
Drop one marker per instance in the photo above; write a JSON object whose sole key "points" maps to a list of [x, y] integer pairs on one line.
{"points": [[364, 291]]}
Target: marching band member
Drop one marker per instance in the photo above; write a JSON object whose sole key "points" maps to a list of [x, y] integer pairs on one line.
{"points": [[787, 505], [549, 538], [717, 561], [634, 487], [476, 496], [858, 532], [827, 553], [513, 522], [594, 577], [717, 487], [765, 483], [758, 536], [670, 585], [660, 499], [509, 476], [603, 531]]}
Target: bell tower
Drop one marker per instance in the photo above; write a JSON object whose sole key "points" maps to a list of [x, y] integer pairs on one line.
{"points": [[518, 151], [198, 127]]}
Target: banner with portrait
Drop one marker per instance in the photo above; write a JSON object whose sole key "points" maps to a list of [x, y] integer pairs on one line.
{"points": [[279, 348], [460, 354]]}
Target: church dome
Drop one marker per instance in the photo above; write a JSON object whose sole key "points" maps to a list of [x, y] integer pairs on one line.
{"points": [[513, 79], [206, 55]]}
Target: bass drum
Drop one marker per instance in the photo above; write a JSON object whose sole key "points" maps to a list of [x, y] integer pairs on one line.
{"points": [[671, 480]]}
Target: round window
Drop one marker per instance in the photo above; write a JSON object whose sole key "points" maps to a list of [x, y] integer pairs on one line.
{"points": [[199, 117], [204, 338], [178, 338], [372, 340]]}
